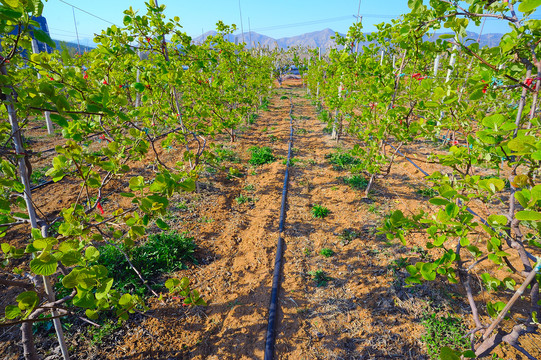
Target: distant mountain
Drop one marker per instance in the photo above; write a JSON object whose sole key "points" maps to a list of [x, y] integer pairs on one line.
{"points": [[317, 39], [72, 47], [322, 39], [249, 37], [252, 39]]}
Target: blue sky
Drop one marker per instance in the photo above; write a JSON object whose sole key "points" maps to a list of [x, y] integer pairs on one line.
{"points": [[277, 18]]}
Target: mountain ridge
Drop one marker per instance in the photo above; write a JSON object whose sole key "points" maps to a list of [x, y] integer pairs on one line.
{"points": [[321, 39]]}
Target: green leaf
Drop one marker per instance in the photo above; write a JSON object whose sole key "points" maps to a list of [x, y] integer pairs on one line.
{"points": [[184, 282], [528, 215], [42, 36], [104, 289], [9, 14], [446, 353], [92, 254], [509, 283], [44, 267], [497, 220], [6, 248], [92, 314], [439, 201], [172, 283], [452, 209], [427, 271], [187, 185], [494, 309], [139, 87], [40, 244], [124, 300], [27, 300], [84, 299], [70, 281], [469, 354], [71, 257], [528, 5], [493, 121], [162, 224], [12, 312], [12, 3], [440, 240], [492, 185], [447, 36], [201, 302], [137, 183], [476, 95], [59, 120], [522, 144], [36, 234]]}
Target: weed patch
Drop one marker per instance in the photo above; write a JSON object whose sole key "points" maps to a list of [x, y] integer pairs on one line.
{"points": [[162, 253], [444, 331], [356, 181], [326, 252], [261, 155], [342, 160]]}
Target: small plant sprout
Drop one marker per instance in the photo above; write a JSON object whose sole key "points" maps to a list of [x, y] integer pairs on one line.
{"points": [[326, 252], [242, 199], [348, 235], [320, 277], [319, 211], [182, 288]]}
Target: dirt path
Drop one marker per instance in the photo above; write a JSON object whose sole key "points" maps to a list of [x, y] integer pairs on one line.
{"points": [[360, 309], [351, 317]]}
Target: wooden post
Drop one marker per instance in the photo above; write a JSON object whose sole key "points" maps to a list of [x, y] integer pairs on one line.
{"points": [[50, 127], [23, 173], [436, 65], [452, 63], [334, 134], [138, 78], [317, 90]]}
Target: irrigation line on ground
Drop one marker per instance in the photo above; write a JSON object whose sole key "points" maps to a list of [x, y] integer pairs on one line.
{"points": [[270, 338]]}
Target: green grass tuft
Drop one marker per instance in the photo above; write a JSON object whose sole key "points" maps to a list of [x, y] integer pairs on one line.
{"points": [[261, 155]]}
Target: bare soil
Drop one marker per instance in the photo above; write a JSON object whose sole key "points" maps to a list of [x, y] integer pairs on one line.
{"points": [[364, 311]]}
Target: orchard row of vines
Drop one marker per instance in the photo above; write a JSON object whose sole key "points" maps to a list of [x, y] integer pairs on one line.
{"points": [[411, 84], [144, 91]]}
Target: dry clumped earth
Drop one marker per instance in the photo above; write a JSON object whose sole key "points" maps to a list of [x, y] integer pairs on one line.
{"points": [[364, 311]]}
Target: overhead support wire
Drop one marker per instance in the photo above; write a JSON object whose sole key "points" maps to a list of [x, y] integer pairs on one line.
{"points": [[76, 31], [86, 12], [241, 26]]}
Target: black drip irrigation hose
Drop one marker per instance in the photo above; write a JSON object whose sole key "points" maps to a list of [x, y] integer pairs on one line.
{"points": [[273, 307]]}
